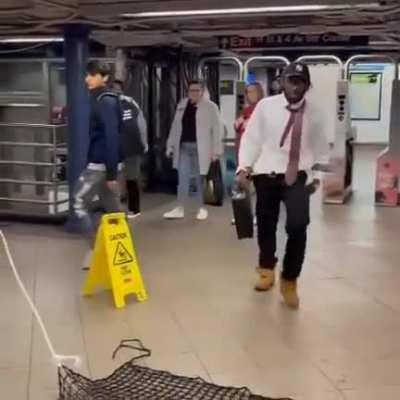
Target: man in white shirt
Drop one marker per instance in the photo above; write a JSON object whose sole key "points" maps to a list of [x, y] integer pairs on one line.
{"points": [[283, 141]]}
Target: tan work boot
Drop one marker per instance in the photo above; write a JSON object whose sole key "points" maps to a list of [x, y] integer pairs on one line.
{"points": [[266, 279], [289, 293]]}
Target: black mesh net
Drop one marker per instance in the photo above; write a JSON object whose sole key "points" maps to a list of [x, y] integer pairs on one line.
{"points": [[131, 382]]}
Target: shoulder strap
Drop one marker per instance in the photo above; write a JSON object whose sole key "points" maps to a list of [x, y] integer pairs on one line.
{"points": [[112, 94], [118, 97], [130, 100]]}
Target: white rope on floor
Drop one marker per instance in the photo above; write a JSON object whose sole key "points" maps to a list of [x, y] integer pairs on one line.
{"points": [[58, 358]]}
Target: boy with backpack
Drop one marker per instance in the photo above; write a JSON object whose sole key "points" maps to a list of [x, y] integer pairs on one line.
{"points": [[104, 159]]}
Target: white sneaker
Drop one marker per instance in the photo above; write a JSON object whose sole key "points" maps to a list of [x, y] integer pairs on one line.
{"points": [[176, 213], [132, 215], [202, 214], [87, 261]]}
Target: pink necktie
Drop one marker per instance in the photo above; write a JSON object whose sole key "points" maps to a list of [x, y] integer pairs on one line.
{"points": [[294, 124]]}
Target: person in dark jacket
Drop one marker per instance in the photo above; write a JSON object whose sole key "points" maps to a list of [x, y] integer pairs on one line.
{"points": [[133, 162], [104, 159]]}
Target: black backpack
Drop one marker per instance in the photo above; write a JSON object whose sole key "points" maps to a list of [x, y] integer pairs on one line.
{"points": [[130, 138]]}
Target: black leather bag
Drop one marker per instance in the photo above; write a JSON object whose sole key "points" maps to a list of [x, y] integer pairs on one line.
{"points": [[214, 185], [242, 213]]}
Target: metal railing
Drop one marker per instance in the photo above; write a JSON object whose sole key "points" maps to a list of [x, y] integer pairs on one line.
{"points": [[55, 146]]}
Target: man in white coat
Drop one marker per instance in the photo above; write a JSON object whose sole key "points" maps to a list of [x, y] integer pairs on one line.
{"points": [[195, 140]]}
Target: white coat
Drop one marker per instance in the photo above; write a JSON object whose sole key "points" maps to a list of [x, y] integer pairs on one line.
{"points": [[209, 133]]}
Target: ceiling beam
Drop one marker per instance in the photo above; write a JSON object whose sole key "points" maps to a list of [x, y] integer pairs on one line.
{"points": [[118, 7], [14, 5]]}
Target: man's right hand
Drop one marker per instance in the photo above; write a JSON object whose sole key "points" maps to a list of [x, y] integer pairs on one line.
{"points": [[242, 179], [169, 153]]}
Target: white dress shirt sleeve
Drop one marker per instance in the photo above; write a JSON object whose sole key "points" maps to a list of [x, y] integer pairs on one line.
{"points": [[252, 139]]}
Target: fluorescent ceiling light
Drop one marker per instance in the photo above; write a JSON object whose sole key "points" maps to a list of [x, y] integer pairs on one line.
{"points": [[32, 40], [383, 42], [248, 10]]}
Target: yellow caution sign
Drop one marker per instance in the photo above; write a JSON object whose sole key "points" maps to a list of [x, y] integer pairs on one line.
{"points": [[114, 264]]}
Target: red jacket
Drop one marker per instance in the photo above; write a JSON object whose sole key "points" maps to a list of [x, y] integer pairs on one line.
{"points": [[241, 123]]}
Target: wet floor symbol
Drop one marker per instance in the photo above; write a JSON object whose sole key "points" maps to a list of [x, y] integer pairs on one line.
{"points": [[122, 255]]}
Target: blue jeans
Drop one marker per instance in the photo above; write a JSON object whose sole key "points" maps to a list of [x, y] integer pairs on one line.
{"points": [[188, 171]]}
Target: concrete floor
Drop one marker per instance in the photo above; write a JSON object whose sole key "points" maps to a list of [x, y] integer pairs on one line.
{"points": [[204, 319]]}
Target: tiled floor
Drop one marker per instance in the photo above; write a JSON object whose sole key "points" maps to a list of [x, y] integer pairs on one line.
{"points": [[203, 318]]}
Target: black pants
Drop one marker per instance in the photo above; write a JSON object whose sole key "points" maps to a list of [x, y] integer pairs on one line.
{"points": [[133, 194], [271, 191]]}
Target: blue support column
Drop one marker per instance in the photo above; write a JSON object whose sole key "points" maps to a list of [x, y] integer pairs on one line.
{"points": [[76, 55]]}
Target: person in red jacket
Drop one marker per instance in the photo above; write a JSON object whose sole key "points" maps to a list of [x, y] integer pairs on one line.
{"points": [[254, 93]]}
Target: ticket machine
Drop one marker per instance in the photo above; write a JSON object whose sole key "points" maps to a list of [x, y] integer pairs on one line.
{"points": [[388, 162]]}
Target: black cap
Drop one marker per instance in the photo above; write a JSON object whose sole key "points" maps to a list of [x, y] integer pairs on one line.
{"points": [[297, 69]]}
